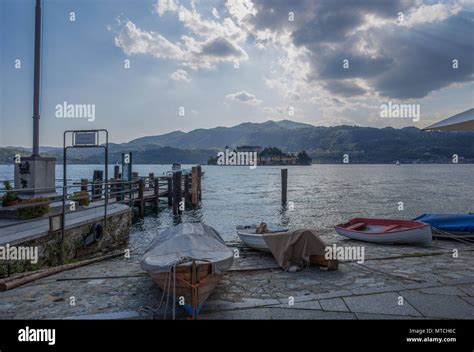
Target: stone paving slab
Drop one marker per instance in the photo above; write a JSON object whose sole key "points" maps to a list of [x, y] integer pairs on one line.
{"points": [[334, 304], [469, 300], [129, 314], [467, 289], [276, 314], [309, 305], [439, 306], [290, 314], [368, 316], [444, 290], [383, 303]]}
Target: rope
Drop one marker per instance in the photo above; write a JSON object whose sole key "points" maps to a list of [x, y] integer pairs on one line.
{"points": [[168, 295], [446, 235], [174, 291], [170, 288], [152, 310]]}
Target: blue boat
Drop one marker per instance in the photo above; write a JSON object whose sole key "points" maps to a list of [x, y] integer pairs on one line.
{"points": [[450, 225]]}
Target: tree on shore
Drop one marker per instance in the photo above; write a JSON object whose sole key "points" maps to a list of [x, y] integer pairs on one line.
{"points": [[303, 159]]}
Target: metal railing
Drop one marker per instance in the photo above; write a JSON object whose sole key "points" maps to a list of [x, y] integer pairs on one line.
{"points": [[100, 194]]}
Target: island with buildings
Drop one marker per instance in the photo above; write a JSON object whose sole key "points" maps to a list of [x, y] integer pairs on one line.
{"points": [[265, 156]]}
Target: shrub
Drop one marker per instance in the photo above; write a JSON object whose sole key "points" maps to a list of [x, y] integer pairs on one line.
{"points": [[10, 196], [34, 211], [82, 197]]}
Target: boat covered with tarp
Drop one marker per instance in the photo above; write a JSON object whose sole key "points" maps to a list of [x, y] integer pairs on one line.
{"points": [[294, 249], [187, 261], [450, 225]]}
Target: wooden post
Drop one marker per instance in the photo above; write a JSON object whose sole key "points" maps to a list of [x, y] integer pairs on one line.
{"points": [[135, 176], [116, 172], [284, 185], [179, 190], [97, 179], [84, 182], [186, 188], [141, 197], [170, 191], [156, 190], [194, 186], [199, 182], [151, 180], [176, 192], [118, 189]]}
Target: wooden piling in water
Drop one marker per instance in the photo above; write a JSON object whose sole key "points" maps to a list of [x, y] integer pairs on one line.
{"points": [[146, 191], [284, 185], [116, 172], [199, 182], [84, 182], [156, 190], [151, 178], [186, 189], [141, 197], [170, 191], [177, 194], [98, 179], [194, 186]]}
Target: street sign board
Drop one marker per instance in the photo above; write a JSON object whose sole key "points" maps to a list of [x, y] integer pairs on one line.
{"points": [[82, 139]]}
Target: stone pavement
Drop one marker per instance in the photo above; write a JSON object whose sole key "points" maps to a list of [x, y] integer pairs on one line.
{"points": [[395, 282]]}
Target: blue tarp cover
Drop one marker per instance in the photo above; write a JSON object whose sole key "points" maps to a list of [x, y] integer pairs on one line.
{"points": [[449, 222]]}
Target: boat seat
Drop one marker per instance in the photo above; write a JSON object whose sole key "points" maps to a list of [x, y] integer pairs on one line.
{"points": [[355, 226], [390, 228]]}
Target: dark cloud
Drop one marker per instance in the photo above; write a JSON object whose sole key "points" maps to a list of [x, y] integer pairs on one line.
{"points": [[344, 88], [273, 14], [330, 66], [221, 47], [409, 62], [423, 58]]}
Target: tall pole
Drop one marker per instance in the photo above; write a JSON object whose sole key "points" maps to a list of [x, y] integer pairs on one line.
{"points": [[36, 84]]}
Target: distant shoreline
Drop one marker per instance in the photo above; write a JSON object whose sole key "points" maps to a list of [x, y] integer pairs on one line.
{"points": [[204, 164]]}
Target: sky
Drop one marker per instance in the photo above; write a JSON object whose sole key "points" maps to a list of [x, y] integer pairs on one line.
{"points": [[150, 67]]}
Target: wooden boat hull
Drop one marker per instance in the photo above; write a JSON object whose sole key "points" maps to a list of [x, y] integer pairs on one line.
{"points": [[248, 235], [254, 240], [194, 283], [386, 231]]}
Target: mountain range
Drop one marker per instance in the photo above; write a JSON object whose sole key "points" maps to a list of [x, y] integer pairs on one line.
{"points": [[323, 144]]}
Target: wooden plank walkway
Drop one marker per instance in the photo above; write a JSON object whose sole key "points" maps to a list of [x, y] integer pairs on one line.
{"points": [[25, 231]]}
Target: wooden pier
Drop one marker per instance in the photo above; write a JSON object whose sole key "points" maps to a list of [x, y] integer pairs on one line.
{"points": [[180, 189]]}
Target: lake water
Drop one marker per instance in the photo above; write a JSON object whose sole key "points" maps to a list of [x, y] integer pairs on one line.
{"points": [[322, 195]]}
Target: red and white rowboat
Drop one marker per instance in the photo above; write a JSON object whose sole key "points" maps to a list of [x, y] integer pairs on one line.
{"points": [[386, 231]]}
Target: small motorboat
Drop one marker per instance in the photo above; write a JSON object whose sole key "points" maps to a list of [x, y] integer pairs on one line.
{"points": [[186, 262], [386, 231], [252, 237]]}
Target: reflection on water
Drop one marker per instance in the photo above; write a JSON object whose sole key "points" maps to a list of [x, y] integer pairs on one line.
{"points": [[321, 195]]}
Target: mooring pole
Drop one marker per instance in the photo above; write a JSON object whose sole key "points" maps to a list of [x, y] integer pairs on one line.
{"points": [[156, 189], [141, 197], [194, 186], [186, 189], [170, 190], [284, 185], [37, 79], [177, 194]]}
